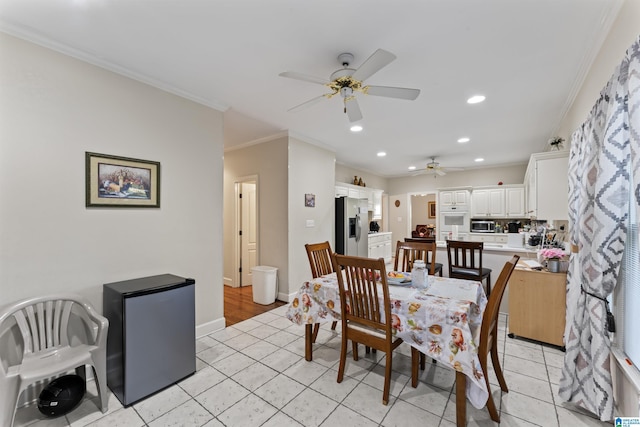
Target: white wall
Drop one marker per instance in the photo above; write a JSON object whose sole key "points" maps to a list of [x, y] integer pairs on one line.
{"points": [[346, 173], [269, 162], [513, 174], [310, 171], [624, 31], [54, 109]]}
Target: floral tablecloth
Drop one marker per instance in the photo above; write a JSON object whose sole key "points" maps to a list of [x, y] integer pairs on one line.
{"points": [[443, 321]]}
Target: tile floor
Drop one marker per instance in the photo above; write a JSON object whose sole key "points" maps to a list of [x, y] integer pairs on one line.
{"points": [[254, 374]]}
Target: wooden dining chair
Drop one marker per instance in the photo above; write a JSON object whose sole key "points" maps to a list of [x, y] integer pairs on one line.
{"points": [[408, 252], [319, 255], [465, 262], [488, 343], [489, 332], [366, 311], [438, 266]]}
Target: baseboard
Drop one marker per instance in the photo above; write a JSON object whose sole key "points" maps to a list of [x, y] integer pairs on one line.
{"points": [[286, 297], [209, 327]]}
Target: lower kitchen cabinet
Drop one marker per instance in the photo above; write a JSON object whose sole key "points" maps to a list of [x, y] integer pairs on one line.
{"points": [[537, 305], [380, 246]]}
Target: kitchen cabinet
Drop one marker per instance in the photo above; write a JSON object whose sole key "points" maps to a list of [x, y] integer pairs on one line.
{"points": [[342, 191], [372, 198], [500, 238], [498, 202], [376, 201], [458, 199], [537, 305], [488, 203], [514, 202], [380, 246], [444, 235], [547, 186]]}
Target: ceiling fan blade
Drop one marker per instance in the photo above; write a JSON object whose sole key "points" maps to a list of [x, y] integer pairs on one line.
{"points": [[440, 172], [306, 104], [304, 77], [393, 92], [378, 60], [353, 110], [453, 169]]}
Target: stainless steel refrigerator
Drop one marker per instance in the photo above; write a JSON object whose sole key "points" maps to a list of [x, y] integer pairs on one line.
{"points": [[351, 230]]}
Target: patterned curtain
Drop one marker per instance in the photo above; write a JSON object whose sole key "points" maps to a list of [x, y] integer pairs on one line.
{"points": [[605, 150]]}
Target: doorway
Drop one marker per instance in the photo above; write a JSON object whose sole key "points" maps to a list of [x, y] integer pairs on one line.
{"points": [[422, 210], [247, 247]]}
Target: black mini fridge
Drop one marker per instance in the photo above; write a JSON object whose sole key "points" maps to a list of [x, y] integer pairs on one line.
{"points": [[151, 342]]}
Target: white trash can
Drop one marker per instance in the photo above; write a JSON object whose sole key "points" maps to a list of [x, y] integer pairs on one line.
{"points": [[264, 284]]}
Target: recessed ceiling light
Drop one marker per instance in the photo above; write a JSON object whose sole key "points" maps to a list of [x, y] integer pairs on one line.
{"points": [[462, 140], [356, 128], [475, 99], [412, 168], [382, 154], [479, 159]]}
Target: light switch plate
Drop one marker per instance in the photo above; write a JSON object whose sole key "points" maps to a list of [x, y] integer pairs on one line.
{"points": [[311, 223]]}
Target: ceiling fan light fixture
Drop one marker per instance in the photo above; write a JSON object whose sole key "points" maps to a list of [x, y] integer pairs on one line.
{"points": [[476, 99], [463, 140], [356, 128]]}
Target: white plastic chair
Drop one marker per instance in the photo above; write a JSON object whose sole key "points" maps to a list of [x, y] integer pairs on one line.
{"points": [[44, 325]]}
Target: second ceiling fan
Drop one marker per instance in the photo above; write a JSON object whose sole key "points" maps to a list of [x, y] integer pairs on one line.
{"points": [[348, 81]]}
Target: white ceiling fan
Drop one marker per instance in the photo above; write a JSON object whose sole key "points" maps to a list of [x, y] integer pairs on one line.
{"points": [[347, 81], [434, 168]]}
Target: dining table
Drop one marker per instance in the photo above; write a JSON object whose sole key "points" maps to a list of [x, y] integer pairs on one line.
{"points": [[442, 320]]}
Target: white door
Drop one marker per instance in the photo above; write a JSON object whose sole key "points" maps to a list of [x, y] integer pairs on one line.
{"points": [[249, 237]]}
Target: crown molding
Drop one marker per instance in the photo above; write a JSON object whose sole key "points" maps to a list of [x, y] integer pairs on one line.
{"points": [[32, 36]]}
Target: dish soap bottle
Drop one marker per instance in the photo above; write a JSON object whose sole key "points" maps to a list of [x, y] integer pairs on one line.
{"points": [[419, 274]]}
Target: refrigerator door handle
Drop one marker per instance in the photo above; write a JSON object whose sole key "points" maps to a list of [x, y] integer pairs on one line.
{"points": [[358, 228]]}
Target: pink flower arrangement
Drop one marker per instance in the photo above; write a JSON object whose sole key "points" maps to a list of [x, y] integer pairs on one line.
{"points": [[551, 253]]}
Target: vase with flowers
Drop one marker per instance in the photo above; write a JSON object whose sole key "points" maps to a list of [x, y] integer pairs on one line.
{"points": [[552, 256]]}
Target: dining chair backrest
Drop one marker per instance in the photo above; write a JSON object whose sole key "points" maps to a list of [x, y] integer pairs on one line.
{"points": [[360, 296], [408, 252], [319, 258], [490, 316], [464, 255], [488, 335]]}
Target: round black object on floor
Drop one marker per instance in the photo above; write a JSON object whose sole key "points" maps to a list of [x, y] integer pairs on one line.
{"points": [[61, 395]]}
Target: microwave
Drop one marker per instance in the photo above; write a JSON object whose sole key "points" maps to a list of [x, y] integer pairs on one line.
{"points": [[483, 226]]}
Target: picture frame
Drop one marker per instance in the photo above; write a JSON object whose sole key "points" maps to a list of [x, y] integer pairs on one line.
{"points": [[431, 209], [121, 182], [310, 200]]}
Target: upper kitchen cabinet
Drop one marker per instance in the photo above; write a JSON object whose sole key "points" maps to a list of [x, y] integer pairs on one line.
{"points": [[514, 202], [342, 191], [487, 202], [547, 186], [376, 201], [454, 199], [498, 202]]}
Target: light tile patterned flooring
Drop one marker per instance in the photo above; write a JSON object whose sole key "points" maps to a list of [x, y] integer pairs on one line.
{"points": [[254, 374]]}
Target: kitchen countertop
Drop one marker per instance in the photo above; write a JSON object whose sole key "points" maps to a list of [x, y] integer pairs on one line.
{"points": [[497, 247]]}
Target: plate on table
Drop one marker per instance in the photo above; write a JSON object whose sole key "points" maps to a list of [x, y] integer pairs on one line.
{"points": [[399, 278]]}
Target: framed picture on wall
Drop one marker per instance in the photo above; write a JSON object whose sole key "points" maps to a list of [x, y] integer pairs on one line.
{"points": [[121, 182], [431, 209], [310, 200]]}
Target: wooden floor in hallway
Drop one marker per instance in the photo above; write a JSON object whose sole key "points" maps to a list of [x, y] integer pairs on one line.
{"points": [[239, 305]]}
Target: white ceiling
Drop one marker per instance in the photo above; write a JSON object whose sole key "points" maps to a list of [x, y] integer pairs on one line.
{"points": [[527, 57]]}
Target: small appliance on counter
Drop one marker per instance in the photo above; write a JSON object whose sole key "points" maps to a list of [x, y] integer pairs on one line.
{"points": [[513, 227], [483, 226], [515, 240], [374, 227]]}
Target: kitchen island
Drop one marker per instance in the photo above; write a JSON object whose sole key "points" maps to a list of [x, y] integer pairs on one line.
{"points": [[494, 256]]}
